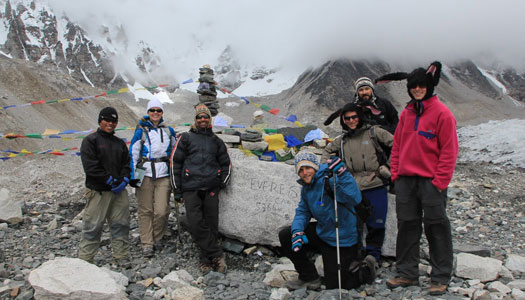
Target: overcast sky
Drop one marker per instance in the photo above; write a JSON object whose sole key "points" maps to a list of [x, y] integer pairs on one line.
{"points": [[303, 32]]}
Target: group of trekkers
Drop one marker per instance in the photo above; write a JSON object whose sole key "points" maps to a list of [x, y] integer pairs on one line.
{"points": [[412, 156]]}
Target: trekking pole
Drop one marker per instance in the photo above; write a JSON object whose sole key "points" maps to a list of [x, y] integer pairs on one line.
{"points": [[178, 220], [337, 240]]}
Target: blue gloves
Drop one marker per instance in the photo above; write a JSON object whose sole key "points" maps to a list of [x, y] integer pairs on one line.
{"points": [[110, 180], [336, 165], [119, 186], [298, 240]]}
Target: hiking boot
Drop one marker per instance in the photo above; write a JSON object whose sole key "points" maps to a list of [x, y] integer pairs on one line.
{"points": [[368, 269], [219, 264], [401, 281], [122, 263], [205, 268], [299, 284], [158, 245], [437, 288], [147, 251]]}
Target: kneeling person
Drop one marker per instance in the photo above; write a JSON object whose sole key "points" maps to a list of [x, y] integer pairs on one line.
{"points": [[317, 201]]}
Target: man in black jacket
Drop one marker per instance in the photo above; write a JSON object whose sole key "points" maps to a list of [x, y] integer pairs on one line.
{"points": [[377, 111], [200, 167], [106, 162]]}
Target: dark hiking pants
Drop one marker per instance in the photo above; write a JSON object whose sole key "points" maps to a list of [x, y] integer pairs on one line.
{"points": [[419, 200], [202, 211], [375, 224], [306, 268]]}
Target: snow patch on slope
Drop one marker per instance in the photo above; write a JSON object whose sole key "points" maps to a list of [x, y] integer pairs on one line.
{"points": [[498, 142]]}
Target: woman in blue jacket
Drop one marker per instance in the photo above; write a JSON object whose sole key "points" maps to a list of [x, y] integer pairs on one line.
{"points": [[317, 201], [150, 148]]}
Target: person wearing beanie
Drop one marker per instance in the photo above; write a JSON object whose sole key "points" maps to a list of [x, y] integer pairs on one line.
{"points": [[105, 160], [376, 110], [304, 235], [365, 149], [423, 160], [200, 167], [149, 150]]}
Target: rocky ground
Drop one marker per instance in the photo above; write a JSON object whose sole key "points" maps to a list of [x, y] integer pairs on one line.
{"points": [[486, 210]]}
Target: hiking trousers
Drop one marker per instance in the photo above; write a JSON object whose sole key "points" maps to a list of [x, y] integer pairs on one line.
{"points": [[375, 224], [153, 209], [202, 212], [105, 206], [417, 200], [306, 268]]}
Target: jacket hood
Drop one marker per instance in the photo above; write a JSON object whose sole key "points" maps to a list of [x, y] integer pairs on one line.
{"points": [[351, 107]]}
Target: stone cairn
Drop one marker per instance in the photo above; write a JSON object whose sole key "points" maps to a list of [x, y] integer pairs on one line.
{"points": [[206, 90]]}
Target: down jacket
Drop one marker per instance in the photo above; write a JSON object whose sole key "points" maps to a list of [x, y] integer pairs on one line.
{"points": [[360, 154], [103, 155], [158, 143], [199, 161], [315, 203]]}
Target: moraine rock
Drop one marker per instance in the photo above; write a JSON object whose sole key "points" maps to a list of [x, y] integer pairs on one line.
{"points": [[10, 209], [499, 287], [515, 263], [280, 294], [73, 278], [176, 279], [477, 267], [187, 293]]}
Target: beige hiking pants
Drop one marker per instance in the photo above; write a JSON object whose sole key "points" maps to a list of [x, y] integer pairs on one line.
{"points": [[153, 209]]}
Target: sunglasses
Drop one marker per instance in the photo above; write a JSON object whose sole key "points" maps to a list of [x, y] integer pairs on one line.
{"points": [[348, 118], [110, 120], [202, 117], [155, 110]]}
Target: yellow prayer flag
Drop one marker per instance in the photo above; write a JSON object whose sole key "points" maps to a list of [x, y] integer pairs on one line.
{"points": [[25, 151], [63, 100], [123, 90], [275, 142], [298, 124], [51, 131]]}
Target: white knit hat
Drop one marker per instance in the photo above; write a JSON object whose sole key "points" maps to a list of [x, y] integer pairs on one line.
{"points": [[154, 103]]}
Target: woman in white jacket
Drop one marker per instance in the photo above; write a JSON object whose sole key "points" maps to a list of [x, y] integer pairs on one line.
{"points": [[149, 150]]}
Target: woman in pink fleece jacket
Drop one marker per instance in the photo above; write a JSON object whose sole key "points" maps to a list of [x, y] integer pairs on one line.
{"points": [[422, 163]]}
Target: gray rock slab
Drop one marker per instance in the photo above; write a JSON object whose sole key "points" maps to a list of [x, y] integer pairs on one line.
{"points": [[254, 145], [389, 243], [73, 278], [227, 138], [10, 209], [472, 249], [476, 267], [515, 263], [260, 200]]}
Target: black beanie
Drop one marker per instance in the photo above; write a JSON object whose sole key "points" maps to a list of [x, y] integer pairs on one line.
{"points": [[108, 113], [351, 107]]}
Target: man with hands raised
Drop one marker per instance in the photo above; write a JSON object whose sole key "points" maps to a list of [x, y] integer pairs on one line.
{"points": [[106, 162]]}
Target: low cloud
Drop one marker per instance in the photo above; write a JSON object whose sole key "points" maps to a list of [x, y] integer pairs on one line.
{"points": [[270, 32]]}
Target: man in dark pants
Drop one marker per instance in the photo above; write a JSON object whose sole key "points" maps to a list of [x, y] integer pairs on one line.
{"points": [[105, 159], [200, 167], [422, 163]]}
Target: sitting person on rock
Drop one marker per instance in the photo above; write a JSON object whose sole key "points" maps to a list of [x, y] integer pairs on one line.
{"points": [[317, 201]]}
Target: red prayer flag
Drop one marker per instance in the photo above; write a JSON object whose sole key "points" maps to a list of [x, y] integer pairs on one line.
{"points": [[274, 111]]}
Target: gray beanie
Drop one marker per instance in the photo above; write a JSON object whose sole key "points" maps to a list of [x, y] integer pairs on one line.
{"points": [[363, 81], [306, 158]]}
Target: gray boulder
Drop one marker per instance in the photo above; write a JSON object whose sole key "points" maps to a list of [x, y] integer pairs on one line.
{"points": [[10, 209], [260, 200], [515, 263], [73, 278], [476, 267]]}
